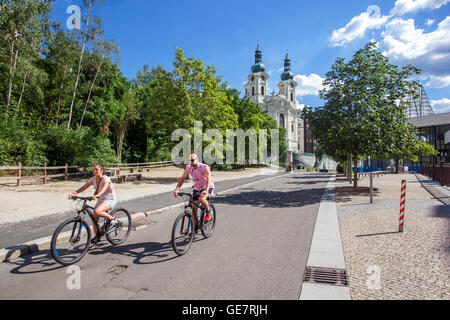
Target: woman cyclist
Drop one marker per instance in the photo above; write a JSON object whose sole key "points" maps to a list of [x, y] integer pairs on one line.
{"points": [[105, 195]]}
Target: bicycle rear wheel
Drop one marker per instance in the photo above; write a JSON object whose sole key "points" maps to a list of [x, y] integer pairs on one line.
{"points": [[182, 234], [118, 234], [208, 227], [70, 241]]}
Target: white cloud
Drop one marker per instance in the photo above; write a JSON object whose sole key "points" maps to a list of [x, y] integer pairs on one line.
{"points": [[438, 82], [402, 7], [357, 27], [429, 22], [430, 51], [308, 85], [441, 106]]}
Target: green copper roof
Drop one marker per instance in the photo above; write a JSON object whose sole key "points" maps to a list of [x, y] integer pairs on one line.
{"points": [[258, 66], [287, 74]]}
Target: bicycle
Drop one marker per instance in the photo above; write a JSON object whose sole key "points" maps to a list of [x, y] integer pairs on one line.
{"points": [[71, 239], [183, 229]]}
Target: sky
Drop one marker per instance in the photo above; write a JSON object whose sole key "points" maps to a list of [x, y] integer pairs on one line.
{"points": [[315, 33]]}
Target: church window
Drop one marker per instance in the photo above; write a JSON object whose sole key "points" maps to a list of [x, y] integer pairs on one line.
{"points": [[292, 96], [282, 120], [292, 127], [253, 91], [263, 78], [262, 90], [246, 91]]}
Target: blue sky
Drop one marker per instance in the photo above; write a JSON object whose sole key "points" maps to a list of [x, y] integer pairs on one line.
{"points": [[225, 34]]}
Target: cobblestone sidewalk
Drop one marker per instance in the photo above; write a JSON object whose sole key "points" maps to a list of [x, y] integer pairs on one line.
{"points": [[383, 264]]}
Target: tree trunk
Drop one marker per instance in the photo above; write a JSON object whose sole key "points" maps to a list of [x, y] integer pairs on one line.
{"points": [[355, 172], [350, 169], [79, 66], [21, 93], [60, 94], [396, 164], [121, 129], [91, 89], [12, 69]]}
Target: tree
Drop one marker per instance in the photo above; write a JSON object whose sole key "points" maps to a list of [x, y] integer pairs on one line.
{"points": [[361, 116], [92, 28]]}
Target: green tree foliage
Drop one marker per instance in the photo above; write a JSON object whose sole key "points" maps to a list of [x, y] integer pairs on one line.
{"points": [[362, 116], [64, 99]]}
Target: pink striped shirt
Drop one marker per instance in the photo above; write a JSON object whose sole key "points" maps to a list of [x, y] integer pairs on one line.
{"points": [[199, 177]]}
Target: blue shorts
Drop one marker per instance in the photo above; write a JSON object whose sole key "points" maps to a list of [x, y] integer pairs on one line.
{"points": [[111, 202]]}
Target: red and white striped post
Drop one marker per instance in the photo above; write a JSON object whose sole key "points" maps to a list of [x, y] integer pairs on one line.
{"points": [[402, 206]]}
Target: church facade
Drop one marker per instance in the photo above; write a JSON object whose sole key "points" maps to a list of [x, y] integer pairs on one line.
{"points": [[281, 106]]}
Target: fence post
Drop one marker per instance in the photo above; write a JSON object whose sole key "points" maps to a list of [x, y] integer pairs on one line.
{"points": [[45, 173], [19, 173], [66, 170]]}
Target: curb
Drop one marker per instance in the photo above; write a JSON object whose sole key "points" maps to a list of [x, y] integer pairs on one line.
{"points": [[326, 249], [14, 252]]}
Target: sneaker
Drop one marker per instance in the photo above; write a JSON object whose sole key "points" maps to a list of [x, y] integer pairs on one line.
{"points": [[96, 240], [114, 223], [208, 216]]}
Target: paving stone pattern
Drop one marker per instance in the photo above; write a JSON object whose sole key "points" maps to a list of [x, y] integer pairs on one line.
{"points": [[383, 264]]}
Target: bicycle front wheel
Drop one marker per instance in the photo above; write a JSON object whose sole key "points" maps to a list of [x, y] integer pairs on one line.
{"points": [[208, 227], [118, 234], [182, 234], [70, 241]]}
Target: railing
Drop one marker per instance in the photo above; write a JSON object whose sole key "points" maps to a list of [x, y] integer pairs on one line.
{"points": [[21, 174], [437, 172]]}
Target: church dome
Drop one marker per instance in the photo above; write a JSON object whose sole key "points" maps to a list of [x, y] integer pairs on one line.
{"points": [[258, 67], [287, 75]]}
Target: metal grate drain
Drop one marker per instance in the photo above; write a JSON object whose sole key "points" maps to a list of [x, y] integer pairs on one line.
{"points": [[337, 277]]}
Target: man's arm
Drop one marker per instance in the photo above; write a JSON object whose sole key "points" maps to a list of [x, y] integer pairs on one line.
{"points": [[208, 177], [181, 181]]}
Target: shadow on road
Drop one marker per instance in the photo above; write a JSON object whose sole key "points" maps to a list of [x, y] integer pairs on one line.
{"points": [[34, 263], [273, 199], [142, 253]]}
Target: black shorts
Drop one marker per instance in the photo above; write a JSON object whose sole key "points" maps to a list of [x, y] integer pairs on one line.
{"points": [[197, 193]]}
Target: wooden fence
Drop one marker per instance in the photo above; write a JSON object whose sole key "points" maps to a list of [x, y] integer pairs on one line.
{"points": [[437, 172], [45, 176]]}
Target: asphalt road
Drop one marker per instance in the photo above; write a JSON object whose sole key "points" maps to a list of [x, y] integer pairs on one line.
{"points": [[259, 251], [13, 234]]}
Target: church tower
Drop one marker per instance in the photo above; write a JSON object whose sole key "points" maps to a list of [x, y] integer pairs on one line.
{"points": [[257, 85], [287, 85]]}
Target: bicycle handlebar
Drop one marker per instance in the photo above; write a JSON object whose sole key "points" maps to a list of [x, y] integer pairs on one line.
{"points": [[81, 198]]}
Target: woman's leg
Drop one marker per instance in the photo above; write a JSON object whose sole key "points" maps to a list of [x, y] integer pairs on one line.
{"points": [[101, 212]]}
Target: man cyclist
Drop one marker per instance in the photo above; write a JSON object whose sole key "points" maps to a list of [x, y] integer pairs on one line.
{"points": [[203, 185]]}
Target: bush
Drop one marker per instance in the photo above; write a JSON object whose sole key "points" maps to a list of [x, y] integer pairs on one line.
{"points": [[19, 143], [77, 147]]}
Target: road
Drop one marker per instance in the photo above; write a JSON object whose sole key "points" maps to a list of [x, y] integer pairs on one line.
{"points": [[12, 234], [259, 251]]}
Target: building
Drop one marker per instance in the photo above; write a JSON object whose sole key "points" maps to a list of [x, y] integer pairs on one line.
{"points": [[434, 129], [281, 106]]}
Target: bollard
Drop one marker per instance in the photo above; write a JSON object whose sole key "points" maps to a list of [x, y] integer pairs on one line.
{"points": [[402, 206], [371, 187]]}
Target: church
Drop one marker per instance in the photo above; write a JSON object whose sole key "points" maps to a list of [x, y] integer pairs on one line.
{"points": [[283, 107]]}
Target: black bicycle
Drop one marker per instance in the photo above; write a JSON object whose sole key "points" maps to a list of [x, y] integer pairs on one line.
{"points": [[183, 229], [72, 239]]}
